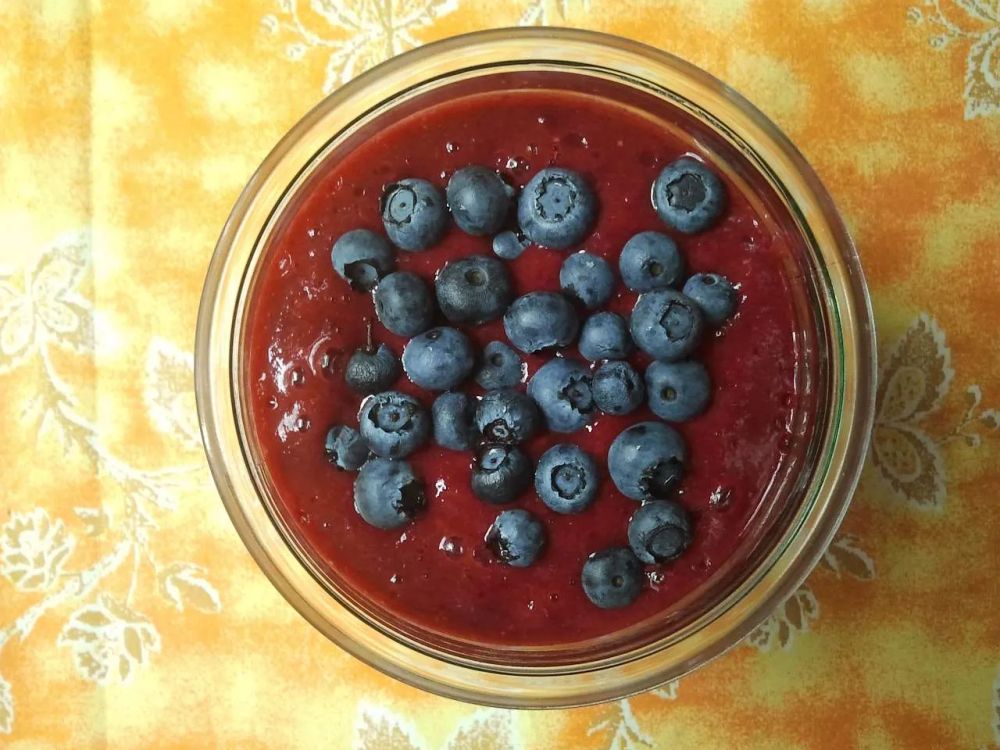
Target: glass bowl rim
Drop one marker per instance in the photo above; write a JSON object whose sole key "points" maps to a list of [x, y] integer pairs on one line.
{"points": [[855, 406]]}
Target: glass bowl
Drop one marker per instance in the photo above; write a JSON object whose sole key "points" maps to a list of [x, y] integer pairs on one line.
{"points": [[804, 504]]}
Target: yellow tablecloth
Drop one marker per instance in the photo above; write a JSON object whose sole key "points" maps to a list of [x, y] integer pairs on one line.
{"points": [[130, 613]]}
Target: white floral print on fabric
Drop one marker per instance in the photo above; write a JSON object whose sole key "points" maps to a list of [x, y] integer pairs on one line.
{"points": [[377, 728], [996, 709], [785, 624], [33, 549], [43, 304], [545, 12], [914, 382], [168, 395], [622, 729], [43, 309], [976, 23], [109, 641], [6, 707], [845, 556], [795, 617], [355, 36]]}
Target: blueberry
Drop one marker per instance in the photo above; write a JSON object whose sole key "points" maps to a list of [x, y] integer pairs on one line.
{"points": [[556, 208], [562, 390], [473, 289], [403, 304], [587, 278], [566, 478], [646, 461], [617, 388], [612, 578], [371, 370], [516, 537], [677, 391], [361, 258], [666, 324], [479, 200], [451, 414], [659, 531], [714, 294], [605, 336], [541, 320], [650, 260], [393, 424], [345, 448], [509, 245], [387, 494], [414, 213], [507, 416], [501, 367], [688, 196], [500, 473], [439, 359]]}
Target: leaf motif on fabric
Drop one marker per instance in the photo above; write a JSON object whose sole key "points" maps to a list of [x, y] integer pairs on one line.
{"points": [[169, 392], [961, 21], [844, 556], [623, 729], [34, 549], [917, 375], [913, 384], [379, 729], [981, 9], [337, 12], [185, 585], [109, 641], [982, 76], [485, 730], [909, 461], [788, 622]]}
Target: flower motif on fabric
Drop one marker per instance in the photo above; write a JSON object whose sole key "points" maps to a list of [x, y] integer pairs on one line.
{"points": [[43, 304], [100, 573], [355, 36], [109, 641], [917, 376], [33, 549], [978, 24]]}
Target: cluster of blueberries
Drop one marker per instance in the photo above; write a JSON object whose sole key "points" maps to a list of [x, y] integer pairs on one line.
{"points": [[556, 209]]}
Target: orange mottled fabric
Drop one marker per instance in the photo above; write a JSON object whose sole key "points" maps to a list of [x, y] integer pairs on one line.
{"points": [[130, 614]]}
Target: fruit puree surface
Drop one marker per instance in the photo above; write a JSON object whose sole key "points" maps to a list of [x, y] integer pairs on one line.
{"points": [[436, 572]]}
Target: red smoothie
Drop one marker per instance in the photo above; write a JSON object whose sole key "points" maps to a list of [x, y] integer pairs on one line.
{"points": [[436, 573]]}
